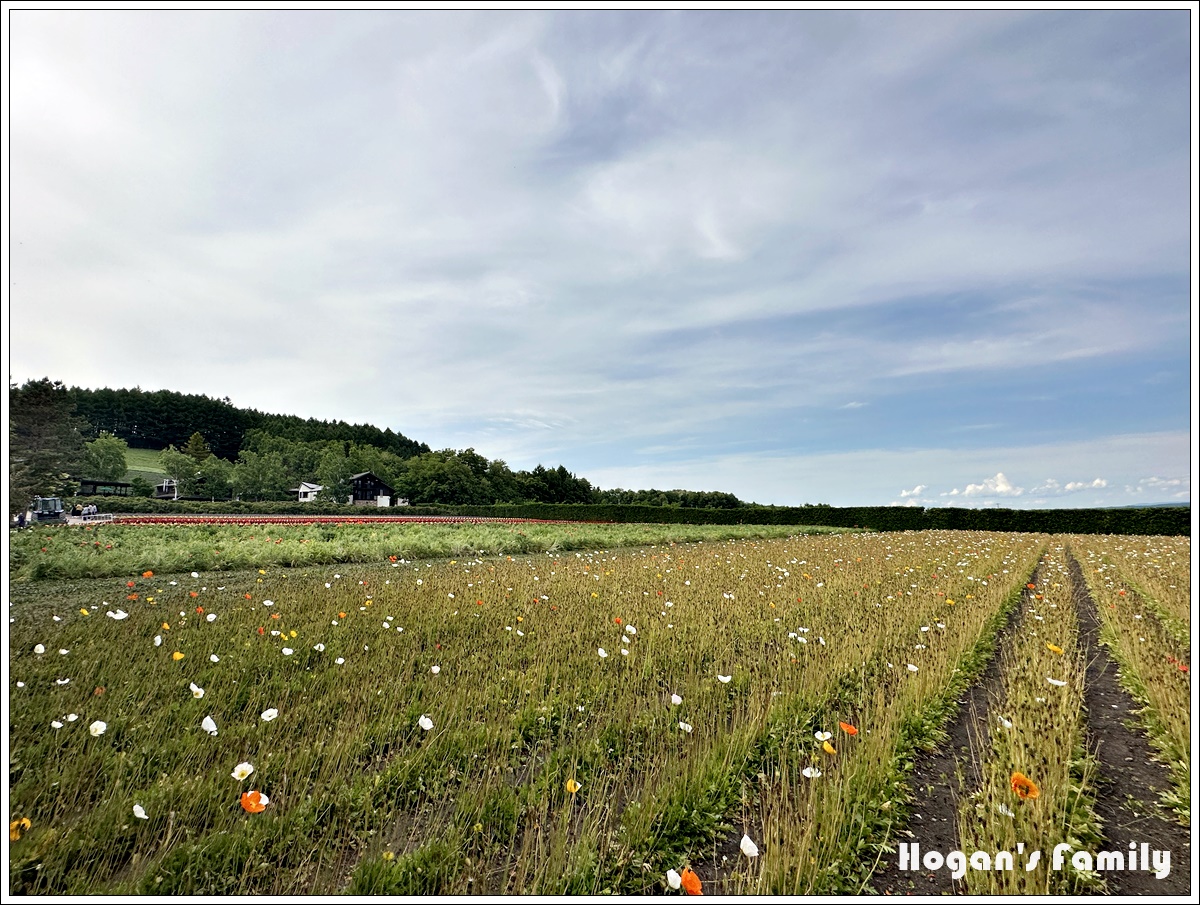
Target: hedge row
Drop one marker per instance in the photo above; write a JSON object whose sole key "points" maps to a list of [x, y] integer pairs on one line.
{"points": [[1149, 521]]}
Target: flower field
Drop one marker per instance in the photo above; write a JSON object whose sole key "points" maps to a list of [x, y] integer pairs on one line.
{"points": [[716, 714]]}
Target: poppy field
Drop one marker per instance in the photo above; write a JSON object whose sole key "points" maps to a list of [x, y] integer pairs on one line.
{"points": [[718, 715]]}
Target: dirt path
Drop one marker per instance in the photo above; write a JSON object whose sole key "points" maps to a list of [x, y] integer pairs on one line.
{"points": [[1130, 778], [944, 773], [1127, 788]]}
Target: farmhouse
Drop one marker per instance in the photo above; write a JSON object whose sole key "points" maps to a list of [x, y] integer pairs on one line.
{"points": [[368, 490], [307, 491]]}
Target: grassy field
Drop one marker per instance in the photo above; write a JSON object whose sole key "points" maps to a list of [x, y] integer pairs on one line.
{"points": [[116, 550], [588, 720], [143, 460]]}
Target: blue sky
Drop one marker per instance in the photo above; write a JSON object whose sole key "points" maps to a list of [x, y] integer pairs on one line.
{"points": [[852, 257]]}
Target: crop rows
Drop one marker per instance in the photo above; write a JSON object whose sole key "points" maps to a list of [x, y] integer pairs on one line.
{"points": [[745, 713]]}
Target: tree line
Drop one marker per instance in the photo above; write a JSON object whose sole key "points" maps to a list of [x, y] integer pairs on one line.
{"points": [[216, 451]]}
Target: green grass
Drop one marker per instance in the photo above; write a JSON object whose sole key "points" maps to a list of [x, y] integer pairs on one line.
{"points": [[363, 799], [66, 552], [143, 460]]}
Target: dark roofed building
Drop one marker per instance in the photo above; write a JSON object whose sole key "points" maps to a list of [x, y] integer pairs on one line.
{"points": [[368, 490]]}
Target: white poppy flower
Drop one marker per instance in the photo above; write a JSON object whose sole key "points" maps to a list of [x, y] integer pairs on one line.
{"points": [[140, 812], [195, 575], [686, 727], [911, 668], [98, 728], [63, 651], [72, 717], [39, 648], [1007, 724], [811, 772], [749, 849], [211, 617], [269, 714], [624, 652], [822, 736], [118, 615], [197, 691], [1058, 682], [319, 648], [287, 651], [158, 640], [242, 770], [340, 660], [602, 652], [61, 681], [673, 879], [724, 680], [56, 724], [676, 700], [425, 722], [631, 629], [214, 658], [435, 669], [209, 725]]}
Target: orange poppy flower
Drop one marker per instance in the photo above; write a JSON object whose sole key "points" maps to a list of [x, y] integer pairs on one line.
{"points": [[147, 574], [247, 596], [129, 584], [255, 802], [690, 882], [193, 593], [1031, 586], [1024, 786], [848, 729]]}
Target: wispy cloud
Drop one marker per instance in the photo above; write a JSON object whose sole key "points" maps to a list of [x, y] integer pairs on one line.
{"points": [[623, 239]]}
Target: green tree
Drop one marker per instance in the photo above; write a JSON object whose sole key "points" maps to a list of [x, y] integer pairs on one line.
{"points": [[139, 486], [216, 478], [104, 458], [183, 469], [260, 476], [45, 439], [333, 475], [197, 448]]}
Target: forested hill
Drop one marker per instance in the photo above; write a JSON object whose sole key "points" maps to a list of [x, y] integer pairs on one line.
{"points": [[162, 418]]}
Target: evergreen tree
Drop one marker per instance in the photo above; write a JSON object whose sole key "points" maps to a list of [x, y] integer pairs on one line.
{"points": [[197, 448], [45, 439]]}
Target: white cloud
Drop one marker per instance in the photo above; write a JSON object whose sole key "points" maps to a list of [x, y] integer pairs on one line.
{"points": [[1083, 485], [995, 486], [916, 491]]}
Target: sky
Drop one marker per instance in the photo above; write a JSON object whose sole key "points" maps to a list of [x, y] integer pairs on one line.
{"points": [[925, 258]]}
